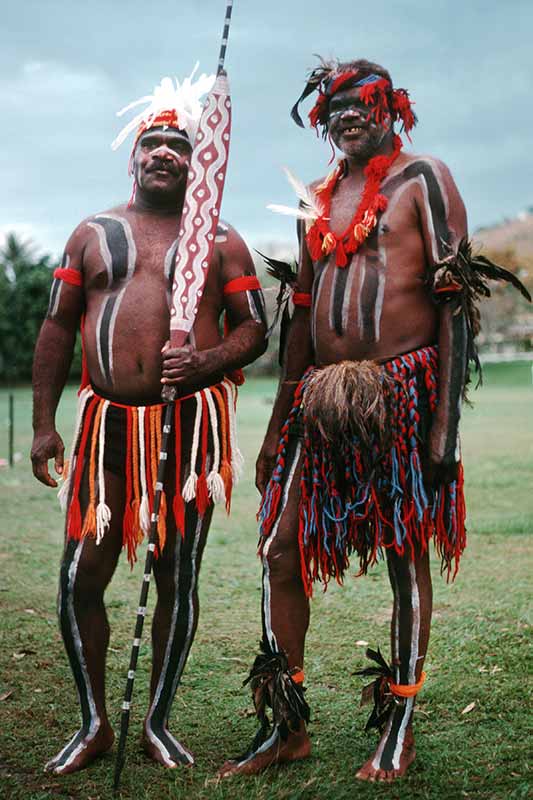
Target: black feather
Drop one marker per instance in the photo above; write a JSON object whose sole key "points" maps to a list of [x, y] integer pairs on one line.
{"points": [[273, 688], [316, 77], [282, 271], [462, 278], [313, 82], [382, 696], [287, 275]]}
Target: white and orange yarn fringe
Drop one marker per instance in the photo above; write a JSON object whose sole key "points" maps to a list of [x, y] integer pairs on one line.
{"points": [[215, 464]]}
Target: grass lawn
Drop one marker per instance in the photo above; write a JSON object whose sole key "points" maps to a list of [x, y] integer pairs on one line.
{"points": [[478, 655]]}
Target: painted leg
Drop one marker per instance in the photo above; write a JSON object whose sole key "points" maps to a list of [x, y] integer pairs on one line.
{"points": [[173, 629], [411, 621], [285, 618], [86, 570]]}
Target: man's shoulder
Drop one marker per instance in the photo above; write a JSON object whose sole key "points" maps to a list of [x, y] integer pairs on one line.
{"points": [[116, 211], [226, 234], [424, 161], [314, 185], [84, 229]]}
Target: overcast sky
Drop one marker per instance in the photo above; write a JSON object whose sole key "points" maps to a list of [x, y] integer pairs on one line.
{"points": [[66, 68]]}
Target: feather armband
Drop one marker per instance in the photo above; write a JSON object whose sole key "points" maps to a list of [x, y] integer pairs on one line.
{"points": [[463, 276], [287, 275], [274, 685]]}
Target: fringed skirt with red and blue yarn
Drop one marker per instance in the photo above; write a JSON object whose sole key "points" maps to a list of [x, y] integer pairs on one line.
{"points": [[363, 500]]}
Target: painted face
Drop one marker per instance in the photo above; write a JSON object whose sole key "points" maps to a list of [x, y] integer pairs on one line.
{"points": [[351, 127], [161, 161]]}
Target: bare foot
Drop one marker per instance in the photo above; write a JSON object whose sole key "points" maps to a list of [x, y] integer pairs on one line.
{"points": [[395, 752], [82, 749], [273, 751], [161, 746]]}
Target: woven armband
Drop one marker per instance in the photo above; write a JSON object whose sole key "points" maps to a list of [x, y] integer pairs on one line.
{"points": [[69, 275], [246, 283], [302, 299]]}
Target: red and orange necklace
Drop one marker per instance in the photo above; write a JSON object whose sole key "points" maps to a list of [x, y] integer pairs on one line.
{"points": [[321, 241]]}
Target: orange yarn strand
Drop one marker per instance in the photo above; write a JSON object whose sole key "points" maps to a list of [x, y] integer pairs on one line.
{"points": [[89, 522]]}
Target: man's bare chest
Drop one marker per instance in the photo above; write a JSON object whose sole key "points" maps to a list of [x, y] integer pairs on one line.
{"points": [[119, 251]]}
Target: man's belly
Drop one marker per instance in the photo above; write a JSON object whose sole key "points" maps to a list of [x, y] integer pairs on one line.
{"points": [[123, 346], [400, 333]]}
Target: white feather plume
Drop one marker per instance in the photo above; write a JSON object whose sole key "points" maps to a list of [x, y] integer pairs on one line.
{"points": [[182, 97], [299, 213], [310, 209], [307, 196]]}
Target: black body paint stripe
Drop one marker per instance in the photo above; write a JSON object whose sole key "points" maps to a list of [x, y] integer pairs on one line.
{"points": [[369, 293], [392, 740], [53, 295], [257, 300], [70, 645], [117, 244], [104, 335], [338, 291], [187, 589], [436, 200], [458, 345]]}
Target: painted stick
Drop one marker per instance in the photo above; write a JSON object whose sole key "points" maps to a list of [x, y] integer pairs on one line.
{"points": [[203, 196], [201, 208]]}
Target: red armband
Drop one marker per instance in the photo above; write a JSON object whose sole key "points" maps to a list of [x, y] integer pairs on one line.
{"points": [[69, 275], [302, 299], [246, 283]]}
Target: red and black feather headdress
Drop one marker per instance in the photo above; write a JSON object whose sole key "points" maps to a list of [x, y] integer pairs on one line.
{"points": [[377, 92]]}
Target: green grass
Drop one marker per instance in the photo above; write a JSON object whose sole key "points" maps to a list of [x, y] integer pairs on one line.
{"points": [[478, 650]]}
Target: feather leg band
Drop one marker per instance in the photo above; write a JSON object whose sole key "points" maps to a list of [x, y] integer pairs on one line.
{"points": [[277, 687], [383, 691]]}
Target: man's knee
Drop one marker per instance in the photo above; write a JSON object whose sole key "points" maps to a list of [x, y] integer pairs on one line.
{"points": [[282, 557], [91, 575]]}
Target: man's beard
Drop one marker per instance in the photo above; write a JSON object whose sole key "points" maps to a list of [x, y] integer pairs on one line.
{"points": [[362, 151]]}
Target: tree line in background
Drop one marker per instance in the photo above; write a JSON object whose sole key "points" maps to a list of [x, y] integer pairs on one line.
{"points": [[25, 280]]}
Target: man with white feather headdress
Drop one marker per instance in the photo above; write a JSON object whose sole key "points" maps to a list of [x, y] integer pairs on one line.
{"points": [[114, 282]]}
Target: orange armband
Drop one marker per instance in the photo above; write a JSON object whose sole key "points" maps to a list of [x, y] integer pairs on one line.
{"points": [[302, 299], [69, 275], [246, 283]]}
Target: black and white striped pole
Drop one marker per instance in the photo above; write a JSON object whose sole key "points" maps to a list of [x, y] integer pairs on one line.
{"points": [[169, 397], [225, 36]]}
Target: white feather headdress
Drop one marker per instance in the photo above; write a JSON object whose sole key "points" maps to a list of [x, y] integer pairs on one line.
{"points": [[182, 98]]}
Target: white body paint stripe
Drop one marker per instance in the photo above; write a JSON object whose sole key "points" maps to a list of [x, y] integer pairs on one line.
{"points": [[379, 304], [352, 269], [267, 592], [269, 742], [95, 719], [104, 250], [153, 738], [359, 298], [128, 233], [112, 329]]}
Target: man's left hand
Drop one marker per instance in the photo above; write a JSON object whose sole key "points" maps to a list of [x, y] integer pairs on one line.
{"points": [[185, 365], [438, 473]]}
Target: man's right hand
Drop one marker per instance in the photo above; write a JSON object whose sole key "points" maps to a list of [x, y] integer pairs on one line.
{"points": [[266, 461], [45, 446]]}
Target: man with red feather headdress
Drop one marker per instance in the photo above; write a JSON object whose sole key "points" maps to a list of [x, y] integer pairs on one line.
{"points": [[361, 456]]}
